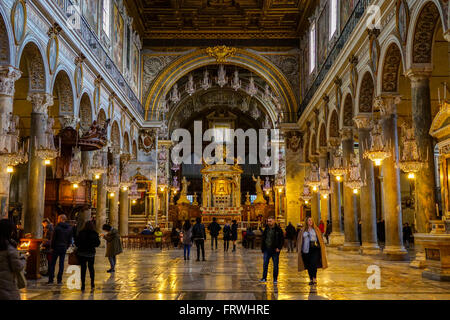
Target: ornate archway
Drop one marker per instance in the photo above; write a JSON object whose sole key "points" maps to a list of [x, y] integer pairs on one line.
{"points": [[366, 94]]}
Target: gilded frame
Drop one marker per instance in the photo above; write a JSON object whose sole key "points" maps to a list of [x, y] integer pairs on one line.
{"points": [[13, 20]]}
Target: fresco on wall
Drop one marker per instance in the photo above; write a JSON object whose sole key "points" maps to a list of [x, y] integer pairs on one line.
{"points": [[323, 35], [135, 68], [90, 12], [118, 38], [346, 11]]}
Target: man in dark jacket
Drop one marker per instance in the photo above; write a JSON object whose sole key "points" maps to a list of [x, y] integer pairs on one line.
{"points": [[61, 240], [214, 229], [199, 237], [290, 236], [271, 245]]}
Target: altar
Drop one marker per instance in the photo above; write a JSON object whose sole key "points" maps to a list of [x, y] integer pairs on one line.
{"points": [[221, 196]]}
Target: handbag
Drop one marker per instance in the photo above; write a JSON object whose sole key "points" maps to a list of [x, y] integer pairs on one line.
{"points": [[73, 258]]}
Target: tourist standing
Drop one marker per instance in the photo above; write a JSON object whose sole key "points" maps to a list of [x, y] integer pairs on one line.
{"points": [[214, 229], [47, 237], [175, 237], [187, 239], [311, 255], [290, 236], [226, 236], [61, 240], [250, 238], [234, 234], [199, 237], [11, 263], [86, 241], [158, 237], [407, 234], [328, 231], [113, 245], [271, 245]]}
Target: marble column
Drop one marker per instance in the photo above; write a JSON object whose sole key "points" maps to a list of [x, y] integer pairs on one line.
{"points": [[367, 198], [336, 236], [422, 118], [100, 219], [86, 161], [394, 249], [351, 242], [114, 200], [315, 207], [123, 212], [36, 169], [324, 202], [8, 76]]}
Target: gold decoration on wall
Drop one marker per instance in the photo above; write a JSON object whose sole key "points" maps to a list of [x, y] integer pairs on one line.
{"points": [[221, 53]]}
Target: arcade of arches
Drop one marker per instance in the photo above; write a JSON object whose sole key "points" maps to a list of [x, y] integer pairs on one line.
{"points": [[358, 118]]}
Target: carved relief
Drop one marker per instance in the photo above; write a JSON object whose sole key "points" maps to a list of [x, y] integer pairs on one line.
{"points": [[423, 37], [391, 69], [294, 141], [334, 125], [288, 65], [348, 111], [8, 77], [147, 140], [152, 65], [366, 93]]}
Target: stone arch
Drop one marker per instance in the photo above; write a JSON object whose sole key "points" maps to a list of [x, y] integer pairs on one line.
{"points": [[366, 93], [199, 58], [322, 137], [391, 60], [6, 40], [424, 20], [134, 150], [64, 91], [126, 143], [333, 124], [347, 113], [85, 113], [101, 117], [35, 63], [115, 135], [313, 145]]}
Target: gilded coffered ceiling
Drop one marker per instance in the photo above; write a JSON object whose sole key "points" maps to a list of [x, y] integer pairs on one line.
{"points": [[220, 19]]}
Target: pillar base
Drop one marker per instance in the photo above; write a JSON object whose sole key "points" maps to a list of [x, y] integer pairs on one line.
{"points": [[419, 261], [336, 239], [437, 275], [350, 246], [395, 253], [371, 249]]}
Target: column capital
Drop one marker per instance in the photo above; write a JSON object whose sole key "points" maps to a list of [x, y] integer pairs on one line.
{"points": [[363, 121], [346, 133], [387, 104], [333, 143], [8, 76], [419, 74], [40, 101]]}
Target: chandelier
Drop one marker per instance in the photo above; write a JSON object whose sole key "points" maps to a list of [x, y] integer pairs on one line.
{"points": [[190, 85], [377, 151], [222, 78], [10, 152], [236, 83], [75, 174], [98, 166], [313, 180], [47, 151], [410, 161], [354, 180], [338, 170], [175, 95], [252, 89], [324, 188], [206, 82], [306, 196], [267, 93], [113, 180]]}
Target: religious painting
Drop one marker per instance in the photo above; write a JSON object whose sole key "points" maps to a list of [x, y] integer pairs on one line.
{"points": [[52, 53], [97, 98], [136, 68], [19, 20], [90, 12], [374, 53], [402, 20], [347, 7], [118, 38], [78, 78], [323, 35]]}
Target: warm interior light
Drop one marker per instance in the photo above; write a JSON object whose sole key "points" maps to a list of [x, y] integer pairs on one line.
{"points": [[411, 176], [280, 190], [162, 189], [125, 188], [133, 202], [325, 196], [355, 191], [9, 169], [97, 176], [306, 201], [338, 178], [377, 162], [314, 188], [175, 192], [75, 185], [111, 195], [46, 162]]}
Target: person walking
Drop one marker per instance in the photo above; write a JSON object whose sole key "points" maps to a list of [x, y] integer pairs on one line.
{"points": [[290, 236], [322, 227], [312, 254], [113, 245], [214, 229], [234, 234], [250, 238], [226, 236], [11, 263], [86, 241], [199, 237], [46, 244], [271, 245], [175, 237], [328, 231], [187, 239], [61, 240]]}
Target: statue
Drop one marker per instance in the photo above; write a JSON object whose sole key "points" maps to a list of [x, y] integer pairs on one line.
{"points": [[183, 194], [259, 191], [247, 199], [195, 202]]}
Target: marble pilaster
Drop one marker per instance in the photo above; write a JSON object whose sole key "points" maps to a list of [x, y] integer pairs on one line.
{"points": [[101, 202], [123, 212], [324, 201], [336, 236], [367, 198]]}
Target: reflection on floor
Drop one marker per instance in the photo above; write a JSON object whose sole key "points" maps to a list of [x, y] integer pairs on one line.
{"points": [[152, 275]]}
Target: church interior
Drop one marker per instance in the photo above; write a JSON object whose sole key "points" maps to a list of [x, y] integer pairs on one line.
{"points": [[96, 95]]}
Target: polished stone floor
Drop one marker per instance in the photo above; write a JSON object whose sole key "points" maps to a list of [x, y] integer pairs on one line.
{"points": [[153, 275]]}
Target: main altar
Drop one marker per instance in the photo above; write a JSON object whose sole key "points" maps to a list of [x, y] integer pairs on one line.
{"points": [[221, 196]]}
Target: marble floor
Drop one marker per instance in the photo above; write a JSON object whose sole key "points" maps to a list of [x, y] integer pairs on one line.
{"points": [[155, 275]]}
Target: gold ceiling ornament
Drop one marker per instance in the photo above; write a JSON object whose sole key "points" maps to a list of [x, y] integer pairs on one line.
{"points": [[221, 53]]}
